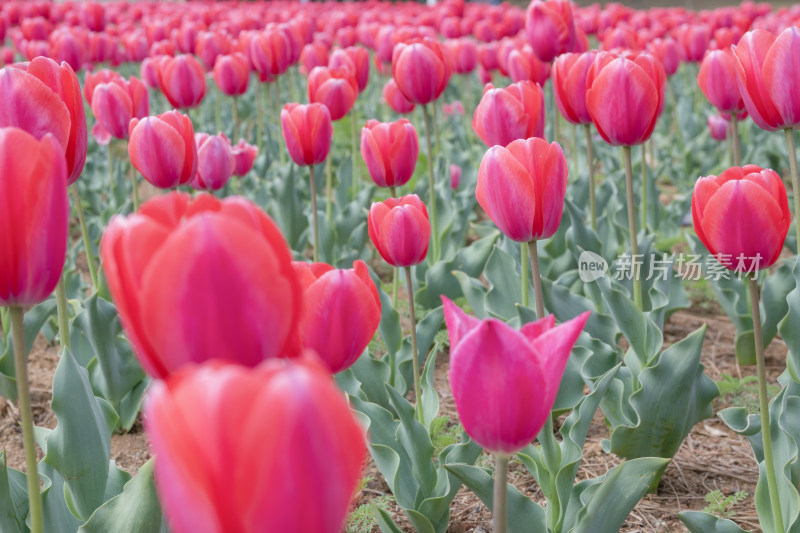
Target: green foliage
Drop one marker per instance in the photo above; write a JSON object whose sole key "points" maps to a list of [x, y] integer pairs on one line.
{"points": [[742, 392], [721, 505], [443, 433], [362, 519]]}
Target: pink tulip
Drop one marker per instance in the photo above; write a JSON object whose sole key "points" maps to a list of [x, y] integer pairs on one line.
{"points": [[523, 65], [163, 150], [505, 381], [335, 88], [390, 150], [455, 176], [550, 28], [569, 85], [215, 162], [314, 55], [400, 230], [718, 126], [717, 80], [115, 103], [395, 99], [183, 81], [355, 59], [232, 74], [307, 131], [421, 69], [505, 115], [244, 156]]}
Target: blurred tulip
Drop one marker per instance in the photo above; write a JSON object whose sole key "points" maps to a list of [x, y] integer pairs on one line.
{"points": [[718, 127], [505, 381], [395, 99], [569, 85], [742, 216], [523, 65], [694, 39], [162, 148], [95, 78], [307, 131], [399, 229], [34, 201], [505, 115], [244, 156], [314, 55], [215, 162], [390, 151], [455, 176], [276, 422], [464, 54], [550, 28], [717, 80], [335, 88], [183, 81], [341, 312], [184, 271], [270, 53], [421, 70], [356, 59], [232, 74], [115, 103], [210, 45], [668, 52]]}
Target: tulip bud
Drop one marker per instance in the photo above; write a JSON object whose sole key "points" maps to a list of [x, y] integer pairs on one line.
{"points": [[163, 149], [400, 230], [505, 115], [550, 28], [232, 74], [244, 156], [395, 99], [390, 150], [569, 85], [455, 176], [523, 65], [314, 55], [336, 89], [717, 80], [215, 162], [183, 81], [421, 70], [355, 59], [307, 130], [718, 127]]}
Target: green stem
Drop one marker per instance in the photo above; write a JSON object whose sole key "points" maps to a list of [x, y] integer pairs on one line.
{"points": [[87, 248], [395, 285], [637, 283], [237, 185], [431, 186], [328, 189], [795, 180], [675, 123], [63, 313], [644, 187], [537, 280], [235, 111], [259, 117], [276, 97], [135, 182], [4, 323], [218, 109], [524, 253], [575, 148], [110, 160], [393, 189], [763, 401], [314, 211], [436, 130], [737, 149], [590, 160], [414, 348], [353, 133], [26, 420], [499, 502]]}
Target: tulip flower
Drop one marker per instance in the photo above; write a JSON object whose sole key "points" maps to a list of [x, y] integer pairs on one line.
{"points": [[505, 381], [550, 28], [395, 99], [390, 150], [209, 45], [183, 81], [421, 69], [244, 156], [33, 245], [355, 59], [523, 65], [262, 454], [464, 54], [313, 55], [717, 80], [742, 216], [505, 115], [232, 74], [163, 149], [336, 88], [694, 38], [186, 272], [215, 162], [115, 103], [307, 131], [668, 52], [270, 53], [341, 312], [718, 127], [455, 176]]}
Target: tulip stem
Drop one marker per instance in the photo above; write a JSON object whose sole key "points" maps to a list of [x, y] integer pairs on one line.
{"points": [[393, 189], [259, 118], [499, 502], [314, 211], [218, 109], [328, 189], [763, 400], [235, 111], [395, 286], [575, 148], [4, 324], [524, 254], [644, 187], [537, 280], [795, 181], [737, 150], [87, 247], [590, 160], [356, 177], [431, 186], [110, 160], [135, 183], [63, 314], [414, 349], [436, 130], [637, 283], [26, 420]]}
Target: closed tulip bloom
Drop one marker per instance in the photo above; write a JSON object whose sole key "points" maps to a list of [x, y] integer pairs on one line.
{"points": [[624, 100], [505, 381], [35, 205], [185, 272], [307, 130], [718, 127], [335, 88], [232, 74], [768, 79], [183, 81], [44, 97], [162, 148], [421, 69], [209, 45], [313, 55], [341, 312], [505, 115], [455, 176], [668, 52], [400, 230], [569, 84], [550, 28], [93, 79], [742, 216], [695, 39], [717, 80], [464, 54], [215, 162], [395, 99], [244, 156], [148, 71], [522, 186], [523, 65], [270, 53], [115, 103], [354, 58], [273, 435], [390, 150]]}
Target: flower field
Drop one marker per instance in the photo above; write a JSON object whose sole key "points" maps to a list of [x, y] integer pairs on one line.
{"points": [[392, 267]]}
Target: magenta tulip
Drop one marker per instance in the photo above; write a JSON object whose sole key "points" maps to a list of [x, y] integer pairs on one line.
{"points": [[390, 150], [400, 230], [505, 115], [215, 162], [307, 130]]}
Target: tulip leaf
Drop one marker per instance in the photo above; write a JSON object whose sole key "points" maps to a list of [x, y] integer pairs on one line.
{"points": [[505, 287], [788, 327], [700, 522], [57, 515], [474, 291], [384, 520], [642, 333], [13, 498], [566, 305], [430, 398]]}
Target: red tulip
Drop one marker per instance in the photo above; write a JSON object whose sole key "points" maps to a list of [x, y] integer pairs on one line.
{"points": [[313, 55], [93, 79], [270, 437], [335, 88], [400, 230], [115, 103], [34, 201], [523, 65], [390, 150], [215, 162], [464, 54], [522, 186], [668, 52], [742, 216], [232, 74], [307, 130], [717, 80], [550, 28], [270, 53], [149, 71], [624, 98], [569, 84], [68, 47], [395, 99], [209, 45], [163, 149], [44, 97], [186, 272], [421, 70], [341, 312], [505, 381], [505, 115], [694, 39], [356, 59], [182, 80], [768, 79], [718, 127], [244, 156]]}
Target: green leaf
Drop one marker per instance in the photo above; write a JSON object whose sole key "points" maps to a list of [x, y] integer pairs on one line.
{"points": [[788, 327], [700, 522], [13, 498], [430, 398], [385, 521]]}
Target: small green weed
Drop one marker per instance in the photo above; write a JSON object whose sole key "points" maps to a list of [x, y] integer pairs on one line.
{"points": [[721, 505]]}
